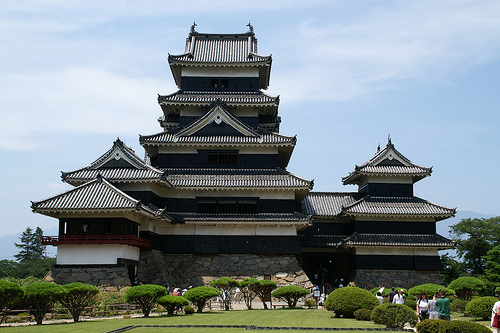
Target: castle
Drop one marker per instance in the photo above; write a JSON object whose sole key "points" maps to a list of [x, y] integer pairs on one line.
{"points": [[213, 197]]}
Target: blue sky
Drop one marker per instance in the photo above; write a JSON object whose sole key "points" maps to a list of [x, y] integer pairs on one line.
{"points": [[75, 75]]}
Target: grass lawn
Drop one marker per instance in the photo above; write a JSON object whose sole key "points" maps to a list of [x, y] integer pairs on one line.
{"points": [[268, 318]]}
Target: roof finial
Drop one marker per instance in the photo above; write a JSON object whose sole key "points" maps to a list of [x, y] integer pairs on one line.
{"points": [[250, 27], [378, 147], [193, 26], [389, 140]]}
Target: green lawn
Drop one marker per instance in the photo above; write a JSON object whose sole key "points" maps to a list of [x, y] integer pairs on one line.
{"points": [[268, 318]]}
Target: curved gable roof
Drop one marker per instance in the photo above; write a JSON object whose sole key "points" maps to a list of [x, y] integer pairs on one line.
{"points": [[387, 162]]}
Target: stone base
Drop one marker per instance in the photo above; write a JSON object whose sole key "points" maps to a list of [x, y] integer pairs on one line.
{"points": [[183, 270], [106, 278], [371, 278]]}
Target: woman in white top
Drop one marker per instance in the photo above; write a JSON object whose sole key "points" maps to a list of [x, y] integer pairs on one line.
{"points": [[399, 298], [495, 311], [423, 307]]}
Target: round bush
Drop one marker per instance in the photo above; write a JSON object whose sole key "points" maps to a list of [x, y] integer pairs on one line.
{"points": [[310, 303], [466, 286], [188, 310], [363, 314], [430, 326], [458, 306], [480, 307], [411, 303], [200, 295], [430, 289], [344, 301], [461, 326], [145, 295], [394, 315], [172, 303]]}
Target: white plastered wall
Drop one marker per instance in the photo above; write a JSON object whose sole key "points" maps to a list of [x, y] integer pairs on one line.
{"points": [[221, 71], [95, 254]]}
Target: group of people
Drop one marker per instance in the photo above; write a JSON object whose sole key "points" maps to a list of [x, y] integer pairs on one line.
{"points": [[436, 308]]}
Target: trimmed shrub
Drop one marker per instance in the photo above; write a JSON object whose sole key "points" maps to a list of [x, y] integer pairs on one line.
{"points": [[172, 303], [310, 303], [247, 294], [430, 289], [458, 306], [461, 326], [344, 301], [78, 296], [10, 293], [290, 294], [480, 307], [40, 297], [430, 326], [226, 286], [394, 315], [466, 286], [200, 295], [262, 288], [110, 298], [145, 295], [363, 314], [411, 303], [188, 310]]}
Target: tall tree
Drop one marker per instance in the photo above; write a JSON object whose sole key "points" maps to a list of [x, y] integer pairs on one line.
{"points": [[475, 237], [31, 247]]}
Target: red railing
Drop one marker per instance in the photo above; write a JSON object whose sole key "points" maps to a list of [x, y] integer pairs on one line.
{"points": [[97, 239]]}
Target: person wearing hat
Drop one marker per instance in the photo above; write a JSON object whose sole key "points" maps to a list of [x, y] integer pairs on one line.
{"points": [[399, 297]]}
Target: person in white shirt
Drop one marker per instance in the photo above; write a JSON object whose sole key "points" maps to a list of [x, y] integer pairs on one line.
{"points": [[399, 298], [423, 307]]}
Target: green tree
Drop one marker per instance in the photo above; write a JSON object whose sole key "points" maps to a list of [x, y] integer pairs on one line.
{"points": [[263, 288], [10, 293], [37, 268], [200, 295], [226, 286], [40, 297], [31, 247], [172, 303], [466, 286], [146, 296], [475, 237], [78, 296], [452, 268], [492, 258], [290, 294], [248, 295]]}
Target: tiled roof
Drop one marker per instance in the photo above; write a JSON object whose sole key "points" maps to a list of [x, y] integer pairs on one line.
{"points": [[397, 206], [114, 175], [326, 204], [136, 170], [220, 48], [265, 138], [207, 97], [409, 240], [261, 217], [235, 178], [387, 162], [321, 240], [96, 195]]}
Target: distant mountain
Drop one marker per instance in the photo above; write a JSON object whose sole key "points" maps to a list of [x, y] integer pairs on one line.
{"points": [[8, 249], [443, 227]]}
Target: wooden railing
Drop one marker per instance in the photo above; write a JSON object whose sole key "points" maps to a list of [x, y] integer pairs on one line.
{"points": [[96, 239]]}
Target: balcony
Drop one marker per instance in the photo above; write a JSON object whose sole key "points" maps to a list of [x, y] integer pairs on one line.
{"points": [[97, 239]]}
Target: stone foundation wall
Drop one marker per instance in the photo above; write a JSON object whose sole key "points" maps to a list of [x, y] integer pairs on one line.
{"points": [[106, 278], [371, 278], [183, 270]]}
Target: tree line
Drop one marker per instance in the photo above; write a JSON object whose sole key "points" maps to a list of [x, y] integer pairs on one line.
{"points": [[31, 259], [477, 250]]}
